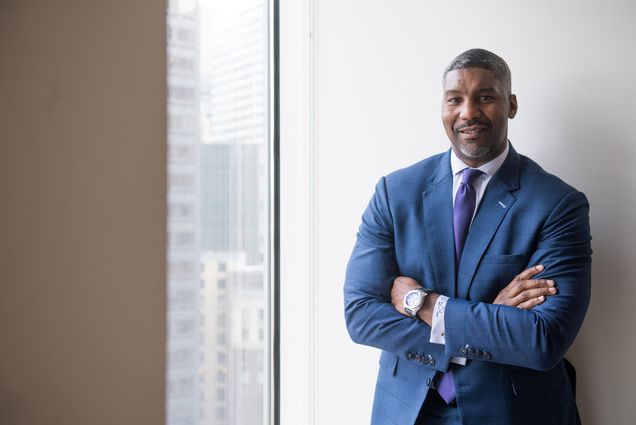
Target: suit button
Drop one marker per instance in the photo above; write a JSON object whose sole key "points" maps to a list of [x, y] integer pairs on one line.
{"points": [[424, 360], [428, 382], [479, 353], [409, 356], [463, 350], [487, 355], [417, 358], [431, 362]]}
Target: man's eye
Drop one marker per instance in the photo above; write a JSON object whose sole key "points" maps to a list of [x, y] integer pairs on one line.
{"points": [[453, 100], [486, 98]]}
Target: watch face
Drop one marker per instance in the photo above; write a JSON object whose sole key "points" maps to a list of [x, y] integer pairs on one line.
{"points": [[413, 299]]}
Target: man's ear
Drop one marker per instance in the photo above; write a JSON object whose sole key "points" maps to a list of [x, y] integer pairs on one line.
{"points": [[512, 111]]}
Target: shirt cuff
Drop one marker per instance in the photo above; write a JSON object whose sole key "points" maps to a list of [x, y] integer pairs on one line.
{"points": [[458, 360], [437, 328]]}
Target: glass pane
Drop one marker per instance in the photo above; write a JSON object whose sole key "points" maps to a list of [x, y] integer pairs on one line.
{"points": [[217, 222]]}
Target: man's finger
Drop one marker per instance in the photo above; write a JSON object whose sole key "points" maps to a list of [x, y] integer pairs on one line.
{"points": [[528, 273], [535, 283], [525, 285], [531, 294], [527, 305]]}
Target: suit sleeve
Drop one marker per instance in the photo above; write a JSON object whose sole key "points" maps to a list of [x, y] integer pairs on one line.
{"points": [[371, 318], [537, 338]]}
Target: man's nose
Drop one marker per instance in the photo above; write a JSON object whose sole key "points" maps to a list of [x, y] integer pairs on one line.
{"points": [[470, 110]]}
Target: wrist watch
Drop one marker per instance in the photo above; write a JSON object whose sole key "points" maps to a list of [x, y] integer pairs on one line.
{"points": [[414, 300]]}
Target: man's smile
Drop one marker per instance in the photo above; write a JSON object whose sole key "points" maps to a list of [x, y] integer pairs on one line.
{"points": [[472, 130], [471, 125]]}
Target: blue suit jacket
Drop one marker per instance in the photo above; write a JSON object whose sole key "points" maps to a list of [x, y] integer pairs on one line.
{"points": [[515, 372]]}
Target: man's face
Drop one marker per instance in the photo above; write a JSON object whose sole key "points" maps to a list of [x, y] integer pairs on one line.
{"points": [[475, 111]]}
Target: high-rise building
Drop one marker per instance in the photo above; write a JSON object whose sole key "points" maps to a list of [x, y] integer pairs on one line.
{"points": [[232, 202], [183, 257], [234, 332], [233, 182], [216, 226], [234, 135]]}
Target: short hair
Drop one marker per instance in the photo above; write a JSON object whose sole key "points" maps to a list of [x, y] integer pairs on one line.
{"points": [[481, 58]]}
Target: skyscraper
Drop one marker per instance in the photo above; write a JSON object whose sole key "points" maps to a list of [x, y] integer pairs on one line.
{"points": [[217, 166], [183, 256], [233, 182]]}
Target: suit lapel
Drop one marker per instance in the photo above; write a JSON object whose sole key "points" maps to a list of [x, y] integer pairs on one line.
{"points": [[497, 201], [438, 225]]}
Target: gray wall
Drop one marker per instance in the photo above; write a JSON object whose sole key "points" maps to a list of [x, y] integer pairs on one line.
{"points": [[82, 216]]}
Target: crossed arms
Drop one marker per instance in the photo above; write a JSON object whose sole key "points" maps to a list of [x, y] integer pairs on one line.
{"points": [[536, 335], [523, 292]]}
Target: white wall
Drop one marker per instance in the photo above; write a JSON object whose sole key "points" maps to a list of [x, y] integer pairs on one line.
{"points": [[361, 97]]}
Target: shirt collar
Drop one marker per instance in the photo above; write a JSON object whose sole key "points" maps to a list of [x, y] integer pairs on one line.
{"points": [[490, 168]]}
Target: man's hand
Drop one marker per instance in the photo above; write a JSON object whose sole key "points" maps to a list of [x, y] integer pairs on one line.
{"points": [[402, 285], [524, 292]]}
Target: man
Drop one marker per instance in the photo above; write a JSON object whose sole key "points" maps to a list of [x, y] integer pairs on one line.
{"points": [[456, 266]]}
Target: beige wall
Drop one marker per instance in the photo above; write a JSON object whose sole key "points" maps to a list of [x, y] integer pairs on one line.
{"points": [[82, 213]]}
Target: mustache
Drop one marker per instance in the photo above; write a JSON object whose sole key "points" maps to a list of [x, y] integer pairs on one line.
{"points": [[470, 124]]}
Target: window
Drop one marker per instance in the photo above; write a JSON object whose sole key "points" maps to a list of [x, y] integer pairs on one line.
{"points": [[219, 202]]}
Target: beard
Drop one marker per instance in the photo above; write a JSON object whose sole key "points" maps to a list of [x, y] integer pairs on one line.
{"points": [[475, 151]]}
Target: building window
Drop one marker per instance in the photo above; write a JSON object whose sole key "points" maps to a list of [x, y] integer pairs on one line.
{"points": [[218, 198]]}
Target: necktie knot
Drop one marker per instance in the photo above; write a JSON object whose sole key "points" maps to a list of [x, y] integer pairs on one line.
{"points": [[469, 175]]}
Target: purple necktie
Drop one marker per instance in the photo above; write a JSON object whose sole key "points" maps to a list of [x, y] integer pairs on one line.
{"points": [[463, 211]]}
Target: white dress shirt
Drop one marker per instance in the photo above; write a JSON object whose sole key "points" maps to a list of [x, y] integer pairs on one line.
{"points": [[458, 166]]}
